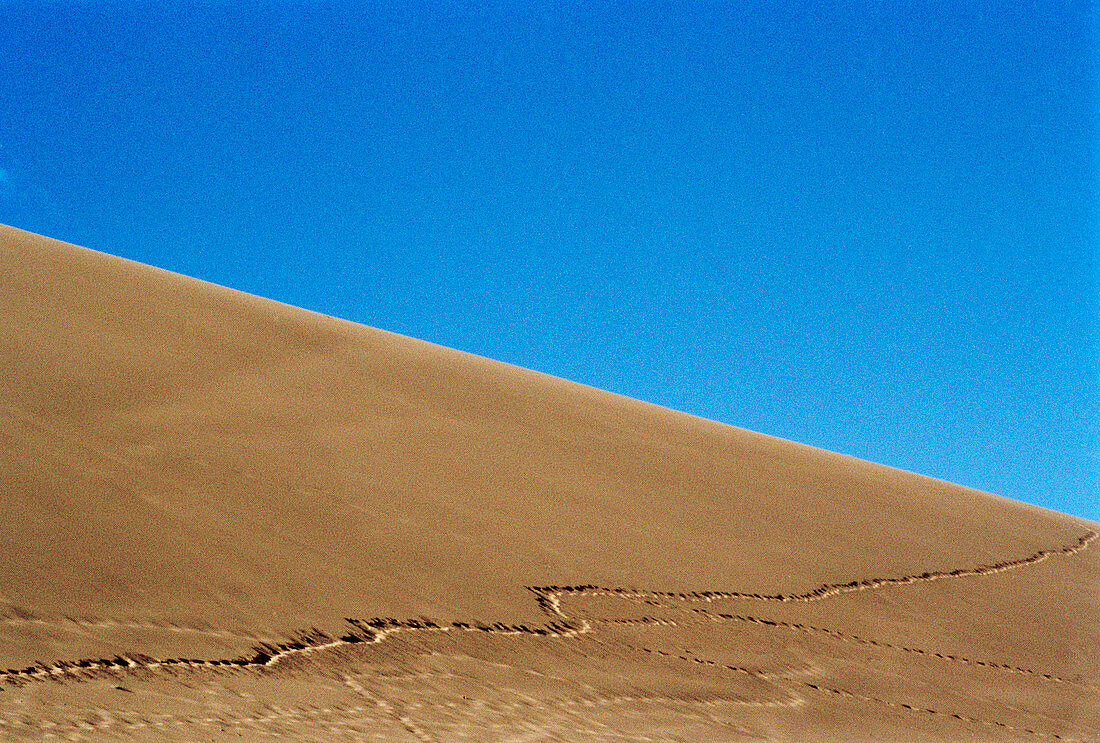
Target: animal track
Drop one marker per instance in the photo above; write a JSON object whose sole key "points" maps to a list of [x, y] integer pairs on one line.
{"points": [[266, 655], [857, 640], [549, 597], [389, 710], [792, 700], [940, 713]]}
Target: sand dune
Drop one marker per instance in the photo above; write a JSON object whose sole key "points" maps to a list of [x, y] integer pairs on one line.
{"points": [[224, 518]]}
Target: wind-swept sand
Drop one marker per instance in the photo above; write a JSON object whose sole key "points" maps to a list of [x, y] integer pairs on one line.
{"points": [[223, 519]]}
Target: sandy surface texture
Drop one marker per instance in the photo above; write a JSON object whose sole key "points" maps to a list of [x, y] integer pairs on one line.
{"points": [[224, 519]]}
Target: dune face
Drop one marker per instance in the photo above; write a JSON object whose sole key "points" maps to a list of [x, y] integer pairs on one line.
{"points": [[224, 518]]}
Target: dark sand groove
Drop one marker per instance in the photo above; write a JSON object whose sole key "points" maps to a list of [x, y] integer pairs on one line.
{"points": [[822, 592]]}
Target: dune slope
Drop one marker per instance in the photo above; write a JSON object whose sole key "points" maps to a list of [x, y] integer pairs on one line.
{"points": [[225, 517]]}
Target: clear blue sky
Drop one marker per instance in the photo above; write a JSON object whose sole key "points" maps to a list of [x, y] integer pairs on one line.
{"points": [[866, 226]]}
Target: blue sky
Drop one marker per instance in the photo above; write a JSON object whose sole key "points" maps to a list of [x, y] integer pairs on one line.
{"points": [[866, 226]]}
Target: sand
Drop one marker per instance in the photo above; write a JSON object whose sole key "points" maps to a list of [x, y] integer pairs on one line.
{"points": [[225, 518]]}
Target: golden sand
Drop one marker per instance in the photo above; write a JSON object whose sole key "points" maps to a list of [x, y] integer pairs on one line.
{"points": [[225, 518]]}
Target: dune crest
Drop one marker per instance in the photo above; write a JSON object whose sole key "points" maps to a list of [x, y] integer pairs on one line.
{"points": [[225, 516]]}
